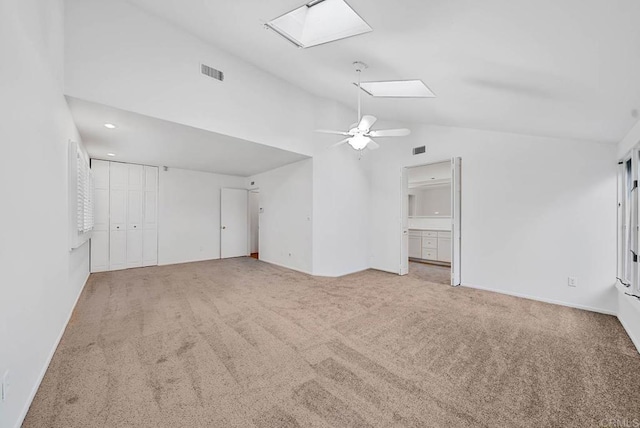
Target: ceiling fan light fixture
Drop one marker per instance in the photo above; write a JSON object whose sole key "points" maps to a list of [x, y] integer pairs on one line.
{"points": [[319, 22], [359, 141], [398, 89]]}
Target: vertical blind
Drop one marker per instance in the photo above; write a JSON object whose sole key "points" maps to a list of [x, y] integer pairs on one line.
{"points": [[84, 193]]}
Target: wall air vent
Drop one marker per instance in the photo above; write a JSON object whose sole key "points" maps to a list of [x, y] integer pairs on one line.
{"points": [[419, 150], [212, 72]]}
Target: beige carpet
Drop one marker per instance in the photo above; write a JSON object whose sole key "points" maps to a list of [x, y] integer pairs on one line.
{"points": [[240, 343]]}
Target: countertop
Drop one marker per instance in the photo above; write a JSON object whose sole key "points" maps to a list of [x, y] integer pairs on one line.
{"points": [[438, 229]]}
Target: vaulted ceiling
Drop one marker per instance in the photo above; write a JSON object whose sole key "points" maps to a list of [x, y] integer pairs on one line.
{"points": [[553, 68]]}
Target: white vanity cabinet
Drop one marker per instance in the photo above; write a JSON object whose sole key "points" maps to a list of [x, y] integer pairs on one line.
{"points": [[432, 245]]}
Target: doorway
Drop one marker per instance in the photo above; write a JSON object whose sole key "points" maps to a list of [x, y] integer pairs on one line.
{"points": [[431, 221], [254, 223]]}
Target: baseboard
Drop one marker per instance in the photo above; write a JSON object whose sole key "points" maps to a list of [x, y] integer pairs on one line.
{"points": [[32, 395], [629, 330], [286, 267], [542, 299], [343, 274]]}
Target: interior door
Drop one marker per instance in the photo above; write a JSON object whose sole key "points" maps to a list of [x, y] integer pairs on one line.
{"points": [[404, 223], [150, 217], [233, 223], [118, 174], [134, 215], [456, 212], [100, 235]]}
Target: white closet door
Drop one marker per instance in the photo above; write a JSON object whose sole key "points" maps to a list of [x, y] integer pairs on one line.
{"points": [[150, 217], [118, 176], [100, 235], [135, 204]]}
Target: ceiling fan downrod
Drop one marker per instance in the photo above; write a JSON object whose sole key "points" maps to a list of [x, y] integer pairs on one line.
{"points": [[359, 65]]}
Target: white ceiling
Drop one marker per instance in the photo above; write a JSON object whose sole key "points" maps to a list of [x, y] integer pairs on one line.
{"points": [[151, 141], [565, 68]]}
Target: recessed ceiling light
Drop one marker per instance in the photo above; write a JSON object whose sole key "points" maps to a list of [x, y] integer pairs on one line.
{"points": [[398, 89], [111, 154], [109, 125], [318, 22]]}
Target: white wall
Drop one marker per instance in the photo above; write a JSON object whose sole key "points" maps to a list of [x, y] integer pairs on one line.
{"points": [[534, 211], [629, 141], [286, 197], [40, 278], [121, 56], [341, 195], [189, 214]]}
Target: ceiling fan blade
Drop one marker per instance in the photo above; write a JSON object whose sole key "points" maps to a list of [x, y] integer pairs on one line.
{"points": [[339, 143], [328, 131], [390, 133], [366, 122], [372, 145]]}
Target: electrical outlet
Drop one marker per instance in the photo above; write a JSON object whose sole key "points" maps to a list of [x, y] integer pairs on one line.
{"points": [[4, 386], [572, 281]]}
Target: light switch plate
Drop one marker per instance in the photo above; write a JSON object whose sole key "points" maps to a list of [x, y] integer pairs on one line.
{"points": [[572, 281]]}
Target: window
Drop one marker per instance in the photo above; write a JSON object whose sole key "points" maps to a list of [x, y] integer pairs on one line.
{"points": [[319, 22], [628, 211]]}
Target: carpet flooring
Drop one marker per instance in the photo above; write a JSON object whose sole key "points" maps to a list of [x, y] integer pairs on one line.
{"points": [[241, 343]]}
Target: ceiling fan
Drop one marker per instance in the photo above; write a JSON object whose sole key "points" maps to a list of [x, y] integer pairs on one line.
{"points": [[360, 134]]}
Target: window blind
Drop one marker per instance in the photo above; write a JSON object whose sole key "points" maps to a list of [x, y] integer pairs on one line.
{"points": [[84, 193]]}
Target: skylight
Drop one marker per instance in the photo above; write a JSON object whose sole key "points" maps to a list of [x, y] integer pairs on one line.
{"points": [[398, 89], [318, 22]]}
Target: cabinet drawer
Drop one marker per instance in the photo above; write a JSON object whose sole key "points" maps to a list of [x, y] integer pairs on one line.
{"points": [[429, 234], [429, 243], [430, 254], [446, 234]]}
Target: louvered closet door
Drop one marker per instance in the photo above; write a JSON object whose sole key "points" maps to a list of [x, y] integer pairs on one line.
{"points": [[150, 217], [100, 235], [135, 193], [118, 177]]}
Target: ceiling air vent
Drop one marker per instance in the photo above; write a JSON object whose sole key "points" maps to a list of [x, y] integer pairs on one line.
{"points": [[212, 72], [419, 150]]}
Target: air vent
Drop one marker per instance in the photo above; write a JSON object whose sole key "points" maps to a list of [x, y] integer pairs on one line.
{"points": [[419, 150], [212, 72]]}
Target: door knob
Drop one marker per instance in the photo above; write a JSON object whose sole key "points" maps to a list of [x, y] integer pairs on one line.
{"points": [[224, 227]]}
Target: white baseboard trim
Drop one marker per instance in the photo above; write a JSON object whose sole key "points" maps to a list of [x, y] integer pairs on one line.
{"points": [[542, 299], [629, 330], [32, 395], [286, 267], [342, 274]]}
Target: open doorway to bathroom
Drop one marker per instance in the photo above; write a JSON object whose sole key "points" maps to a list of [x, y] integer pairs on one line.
{"points": [[431, 221]]}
